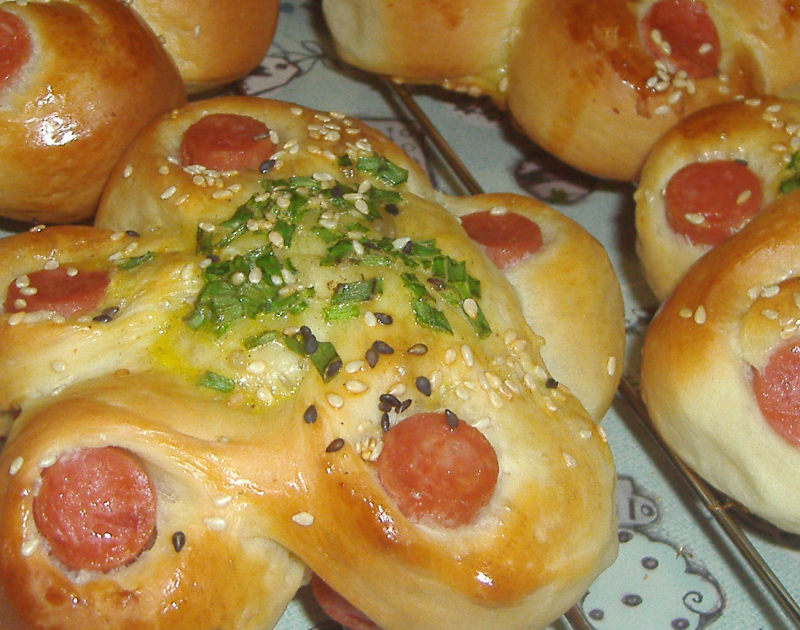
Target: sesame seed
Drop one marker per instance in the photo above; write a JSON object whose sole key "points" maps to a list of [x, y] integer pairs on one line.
{"points": [[551, 383], [569, 460], [685, 313], [58, 366], [371, 357], [611, 365], [385, 422], [304, 519], [370, 319], [585, 434], [705, 48], [215, 523], [276, 238], [695, 218], [744, 196], [381, 347], [398, 389], [355, 386], [20, 304], [495, 399], [384, 318], [127, 171], [451, 419], [449, 356], [256, 367], [223, 500], [423, 385], [310, 415], [700, 315], [467, 356], [335, 445], [168, 192], [16, 465], [51, 264], [770, 291], [334, 400], [418, 349], [471, 307]]}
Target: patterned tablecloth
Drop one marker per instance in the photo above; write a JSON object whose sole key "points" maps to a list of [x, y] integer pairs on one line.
{"points": [[676, 569]]}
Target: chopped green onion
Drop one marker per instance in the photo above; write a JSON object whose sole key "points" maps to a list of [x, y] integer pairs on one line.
{"points": [[132, 263], [215, 381]]}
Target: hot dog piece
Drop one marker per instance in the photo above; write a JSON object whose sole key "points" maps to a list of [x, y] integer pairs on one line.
{"points": [[777, 388], [15, 46], [438, 468], [65, 291], [708, 201], [682, 32], [227, 142], [507, 238], [338, 608], [96, 508]]}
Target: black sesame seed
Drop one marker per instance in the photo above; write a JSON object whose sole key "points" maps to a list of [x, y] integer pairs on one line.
{"points": [[551, 383], [404, 405], [392, 209], [178, 540], [384, 318], [450, 418], [132, 233], [336, 191], [310, 415], [418, 349], [107, 315], [381, 347], [266, 166], [334, 446], [388, 402], [385, 423], [423, 385], [333, 368], [372, 357], [310, 344]]}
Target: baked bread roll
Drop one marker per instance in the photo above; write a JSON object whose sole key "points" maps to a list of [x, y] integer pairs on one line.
{"points": [[596, 82], [152, 189], [64, 124], [719, 365], [328, 371], [708, 176], [212, 43]]}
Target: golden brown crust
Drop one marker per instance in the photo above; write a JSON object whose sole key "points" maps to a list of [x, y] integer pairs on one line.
{"points": [[246, 465], [584, 291], [760, 131], [212, 43], [405, 40], [575, 75], [721, 323], [65, 124]]}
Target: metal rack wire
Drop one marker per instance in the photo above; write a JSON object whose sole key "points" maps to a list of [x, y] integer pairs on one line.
{"points": [[717, 506]]}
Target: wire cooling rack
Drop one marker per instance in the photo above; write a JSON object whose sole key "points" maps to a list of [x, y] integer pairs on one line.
{"points": [[723, 510]]}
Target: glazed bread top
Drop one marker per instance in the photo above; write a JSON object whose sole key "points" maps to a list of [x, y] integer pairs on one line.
{"points": [[256, 356]]}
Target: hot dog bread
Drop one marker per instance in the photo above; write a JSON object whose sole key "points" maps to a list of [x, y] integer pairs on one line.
{"points": [[212, 43], [156, 186], [708, 176], [594, 83], [719, 365], [321, 370], [64, 124]]}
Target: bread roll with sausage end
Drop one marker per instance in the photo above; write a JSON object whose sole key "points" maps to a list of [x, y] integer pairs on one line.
{"points": [[719, 365], [212, 43], [328, 371], [456, 43], [152, 189], [595, 82], [80, 79], [708, 176]]}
